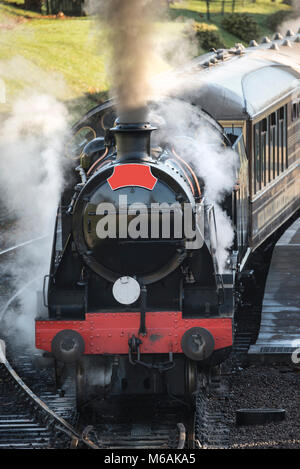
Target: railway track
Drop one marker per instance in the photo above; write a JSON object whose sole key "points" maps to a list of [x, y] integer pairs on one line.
{"points": [[212, 410], [26, 285], [31, 422], [139, 422], [37, 416], [20, 245]]}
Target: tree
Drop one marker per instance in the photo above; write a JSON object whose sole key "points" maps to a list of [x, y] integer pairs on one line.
{"points": [[208, 9], [34, 5]]}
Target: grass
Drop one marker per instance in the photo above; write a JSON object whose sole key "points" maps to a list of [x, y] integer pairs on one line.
{"points": [[60, 56], [260, 10], [67, 58]]}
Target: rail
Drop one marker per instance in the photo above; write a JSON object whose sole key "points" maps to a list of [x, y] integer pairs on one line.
{"points": [[61, 423]]}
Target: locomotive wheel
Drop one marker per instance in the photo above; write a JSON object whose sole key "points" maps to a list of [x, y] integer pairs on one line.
{"points": [[80, 383], [190, 376], [93, 379], [83, 389], [191, 379]]}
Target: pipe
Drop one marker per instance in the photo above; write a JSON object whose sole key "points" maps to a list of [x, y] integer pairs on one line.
{"points": [[190, 169], [96, 162]]}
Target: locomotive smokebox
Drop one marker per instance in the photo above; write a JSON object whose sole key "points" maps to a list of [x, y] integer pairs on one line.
{"points": [[132, 140]]}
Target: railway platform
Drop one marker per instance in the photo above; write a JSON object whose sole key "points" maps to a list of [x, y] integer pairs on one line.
{"points": [[279, 334]]}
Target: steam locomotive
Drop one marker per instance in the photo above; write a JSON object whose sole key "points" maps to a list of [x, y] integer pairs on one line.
{"points": [[135, 296]]}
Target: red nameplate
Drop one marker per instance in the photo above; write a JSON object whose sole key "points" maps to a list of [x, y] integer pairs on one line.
{"points": [[132, 174]]}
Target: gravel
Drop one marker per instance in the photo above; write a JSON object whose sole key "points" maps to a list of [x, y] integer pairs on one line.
{"points": [[266, 387]]}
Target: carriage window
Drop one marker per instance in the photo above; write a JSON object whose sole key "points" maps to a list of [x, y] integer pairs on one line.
{"points": [[295, 111], [264, 148], [257, 167], [273, 146], [269, 148], [273, 118], [281, 140]]}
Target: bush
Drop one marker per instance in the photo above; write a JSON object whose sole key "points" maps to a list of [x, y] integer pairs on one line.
{"points": [[275, 20], [241, 25], [208, 38]]}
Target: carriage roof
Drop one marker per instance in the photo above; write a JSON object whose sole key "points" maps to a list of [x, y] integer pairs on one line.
{"points": [[233, 84], [242, 83]]}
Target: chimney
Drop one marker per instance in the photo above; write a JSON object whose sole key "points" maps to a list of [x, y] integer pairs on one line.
{"points": [[132, 140]]}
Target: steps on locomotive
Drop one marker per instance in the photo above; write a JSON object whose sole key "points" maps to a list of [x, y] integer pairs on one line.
{"points": [[279, 334]]}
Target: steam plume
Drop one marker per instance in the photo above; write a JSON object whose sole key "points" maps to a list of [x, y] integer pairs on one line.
{"points": [[130, 26], [184, 128], [31, 144], [293, 21]]}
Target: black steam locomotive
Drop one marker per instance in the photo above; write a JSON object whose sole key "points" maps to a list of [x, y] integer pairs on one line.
{"points": [[135, 295]]}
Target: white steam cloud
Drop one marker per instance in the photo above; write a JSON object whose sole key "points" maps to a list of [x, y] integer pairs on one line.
{"points": [[129, 26], [216, 164], [31, 178], [293, 22]]}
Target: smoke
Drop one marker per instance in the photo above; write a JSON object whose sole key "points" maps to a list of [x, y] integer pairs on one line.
{"points": [[293, 22], [182, 126], [31, 144], [130, 30], [136, 47], [31, 77]]}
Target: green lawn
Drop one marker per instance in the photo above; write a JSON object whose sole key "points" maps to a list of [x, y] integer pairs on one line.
{"points": [[260, 10], [62, 57], [67, 57]]}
